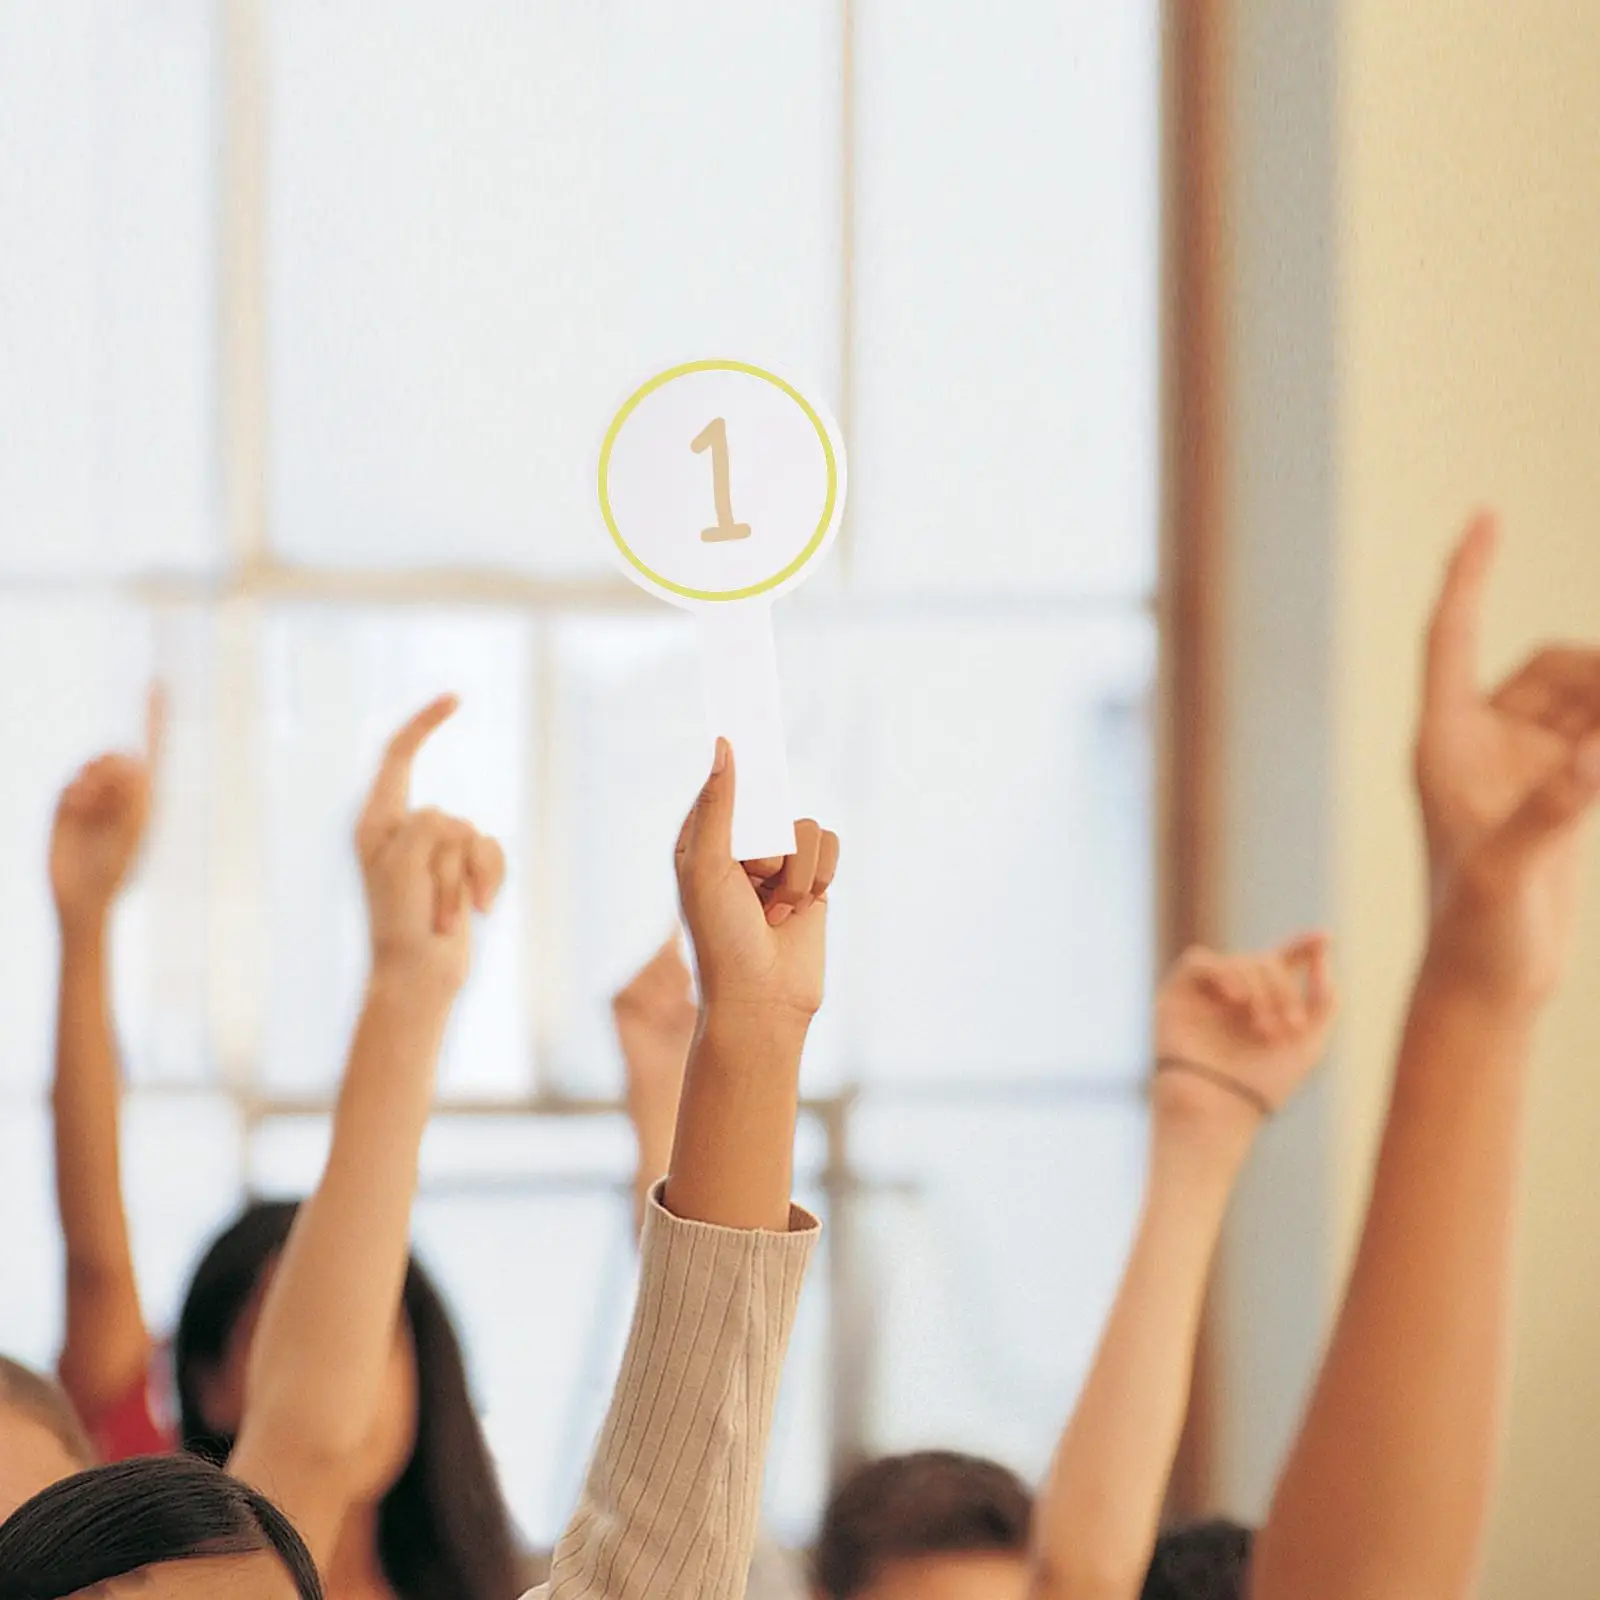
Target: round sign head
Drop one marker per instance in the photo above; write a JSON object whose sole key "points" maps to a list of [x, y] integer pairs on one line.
{"points": [[720, 481]]}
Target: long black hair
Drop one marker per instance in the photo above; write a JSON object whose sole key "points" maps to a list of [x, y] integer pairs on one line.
{"points": [[444, 1532], [1208, 1561], [111, 1521]]}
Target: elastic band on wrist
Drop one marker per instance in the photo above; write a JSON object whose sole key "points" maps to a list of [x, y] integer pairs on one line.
{"points": [[1251, 1096]]}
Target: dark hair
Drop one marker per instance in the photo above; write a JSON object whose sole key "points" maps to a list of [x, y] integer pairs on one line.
{"points": [[46, 1402], [444, 1532], [1205, 1562], [111, 1521], [935, 1502]]}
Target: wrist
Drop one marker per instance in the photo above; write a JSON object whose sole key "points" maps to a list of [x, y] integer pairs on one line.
{"points": [[741, 997], [1507, 1007], [756, 1013], [740, 1027], [1202, 1128], [1205, 1109], [411, 989], [84, 927]]}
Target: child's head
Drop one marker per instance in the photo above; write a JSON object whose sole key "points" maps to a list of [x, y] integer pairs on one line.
{"points": [[443, 1524], [935, 1526], [1205, 1562], [41, 1438], [185, 1527], [942, 1526]]}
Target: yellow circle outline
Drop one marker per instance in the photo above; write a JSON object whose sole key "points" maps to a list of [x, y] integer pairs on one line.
{"points": [[633, 403]]}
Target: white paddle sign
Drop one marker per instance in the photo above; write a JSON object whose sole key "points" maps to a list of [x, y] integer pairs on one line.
{"points": [[721, 486]]}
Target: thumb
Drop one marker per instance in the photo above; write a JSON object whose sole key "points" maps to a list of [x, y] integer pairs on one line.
{"points": [[707, 834], [1550, 812]]}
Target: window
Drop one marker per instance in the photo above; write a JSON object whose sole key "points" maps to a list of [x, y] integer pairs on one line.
{"points": [[310, 320]]}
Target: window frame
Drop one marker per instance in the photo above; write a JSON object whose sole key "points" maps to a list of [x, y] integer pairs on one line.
{"points": [[1185, 610]]}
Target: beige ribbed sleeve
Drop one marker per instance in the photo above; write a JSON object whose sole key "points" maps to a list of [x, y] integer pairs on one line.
{"points": [[674, 1491]]}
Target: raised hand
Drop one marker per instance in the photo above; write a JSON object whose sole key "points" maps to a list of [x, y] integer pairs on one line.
{"points": [[1403, 1429], [714, 1302], [758, 927], [1236, 1036], [100, 824], [1504, 781], [425, 872], [318, 1415]]}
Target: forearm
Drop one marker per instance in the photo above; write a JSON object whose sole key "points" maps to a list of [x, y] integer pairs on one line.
{"points": [[106, 1342], [1401, 1435], [328, 1324], [86, 1097], [733, 1155], [1100, 1511]]}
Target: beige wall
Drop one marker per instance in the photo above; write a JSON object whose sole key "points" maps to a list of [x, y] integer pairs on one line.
{"points": [[1453, 197], [1470, 362]]}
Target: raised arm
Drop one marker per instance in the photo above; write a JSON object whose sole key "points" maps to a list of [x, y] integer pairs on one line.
{"points": [[1235, 1038], [327, 1327], [759, 931], [655, 1016], [672, 1497], [99, 828], [1387, 1489]]}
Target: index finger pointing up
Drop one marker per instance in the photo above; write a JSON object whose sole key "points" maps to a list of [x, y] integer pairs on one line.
{"points": [[1452, 667], [390, 796]]}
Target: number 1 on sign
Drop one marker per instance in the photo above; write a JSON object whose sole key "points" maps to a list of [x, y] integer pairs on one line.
{"points": [[714, 437]]}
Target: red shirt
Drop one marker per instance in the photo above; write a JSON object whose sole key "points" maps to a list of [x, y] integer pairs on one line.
{"points": [[141, 1422]]}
